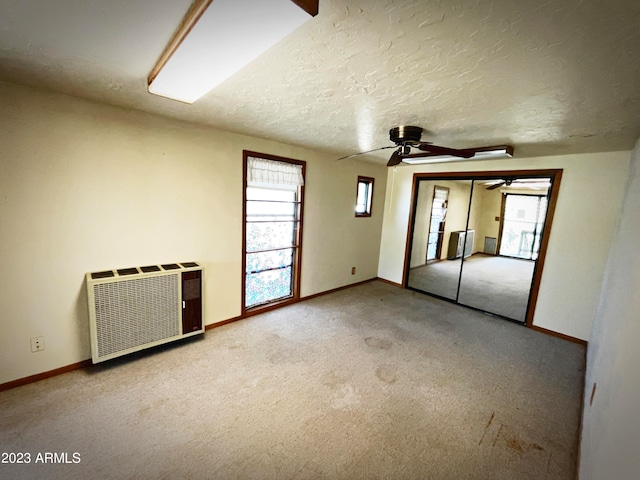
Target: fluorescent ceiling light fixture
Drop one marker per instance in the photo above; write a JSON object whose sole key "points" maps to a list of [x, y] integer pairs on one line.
{"points": [[530, 186], [219, 37], [482, 153]]}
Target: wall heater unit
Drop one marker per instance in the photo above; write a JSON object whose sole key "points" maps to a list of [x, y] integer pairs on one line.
{"points": [[131, 309], [490, 245], [460, 243]]}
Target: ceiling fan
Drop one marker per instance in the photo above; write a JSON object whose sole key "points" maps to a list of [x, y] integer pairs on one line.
{"points": [[407, 137]]}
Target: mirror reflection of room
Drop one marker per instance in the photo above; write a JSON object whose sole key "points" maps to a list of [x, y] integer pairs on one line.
{"points": [[440, 210], [480, 254]]}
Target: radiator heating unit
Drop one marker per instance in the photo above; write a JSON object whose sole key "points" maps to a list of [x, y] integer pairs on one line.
{"points": [[131, 309]]}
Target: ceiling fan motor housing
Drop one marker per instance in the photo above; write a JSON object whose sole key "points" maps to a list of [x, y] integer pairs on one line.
{"points": [[407, 134]]}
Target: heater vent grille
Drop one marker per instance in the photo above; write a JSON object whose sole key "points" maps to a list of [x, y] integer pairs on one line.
{"points": [[191, 289], [131, 309], [135, 312]]}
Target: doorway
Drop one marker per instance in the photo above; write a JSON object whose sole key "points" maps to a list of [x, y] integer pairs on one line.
{"points": [[493, 239]]}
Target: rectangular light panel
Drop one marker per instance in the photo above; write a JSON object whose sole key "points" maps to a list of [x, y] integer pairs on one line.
{"points": [[481, 154], [228, 36]]}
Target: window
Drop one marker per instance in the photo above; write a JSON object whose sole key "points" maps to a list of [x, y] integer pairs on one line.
{"points": [[436, 222], [522, 224], [272, 229], [364, 196]]}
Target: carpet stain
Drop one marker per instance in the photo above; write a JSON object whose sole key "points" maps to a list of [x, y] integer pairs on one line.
{"points": [[493, 414], [285, 356], [514, 444], [386, 374], [346, 397], [379, 343], [279, 350], [144, 410], [511, 441], [332, 379], [521, 447]]}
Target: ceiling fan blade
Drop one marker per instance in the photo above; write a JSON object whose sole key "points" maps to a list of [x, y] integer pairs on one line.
{"points": [[395, 159], [362, 153], [434, 150], [497, 185]]}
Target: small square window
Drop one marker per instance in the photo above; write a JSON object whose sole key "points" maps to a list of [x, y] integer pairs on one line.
{"points": [[364, 197]]}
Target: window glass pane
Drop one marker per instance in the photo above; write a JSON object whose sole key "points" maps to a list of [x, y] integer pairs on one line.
{"points": [[521, 208], [523, 224], [363, 196], [268, 235], [268, 260], [256, 193], [267, 286], [432, 245], [516, 239], [361, 201], [260, 210]]}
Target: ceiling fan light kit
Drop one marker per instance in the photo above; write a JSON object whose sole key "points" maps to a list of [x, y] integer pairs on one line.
{"points": [[481, 153], [218, 38]]}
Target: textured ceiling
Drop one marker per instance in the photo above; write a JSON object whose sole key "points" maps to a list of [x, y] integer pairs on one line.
{"points": [[548, 77]]}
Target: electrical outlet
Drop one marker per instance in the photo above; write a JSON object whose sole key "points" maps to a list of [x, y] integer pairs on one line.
{"points": [[353, 270], [37, 344]]}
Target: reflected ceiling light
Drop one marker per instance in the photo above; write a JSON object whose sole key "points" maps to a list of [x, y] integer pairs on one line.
{"points": [[482, 153], [532, 186], [506, 184], [219, 37]]}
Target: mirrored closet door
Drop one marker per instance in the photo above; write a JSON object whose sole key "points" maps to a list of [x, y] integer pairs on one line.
{"points": [[441, 208], [477, 239]]}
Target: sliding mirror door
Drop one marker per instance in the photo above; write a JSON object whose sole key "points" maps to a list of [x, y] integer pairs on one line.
{"points": [[438, 242], [479, 239], [507, 216]]}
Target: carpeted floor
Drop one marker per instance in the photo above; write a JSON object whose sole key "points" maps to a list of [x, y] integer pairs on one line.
{"points": [[497, 285], [368, 382]]}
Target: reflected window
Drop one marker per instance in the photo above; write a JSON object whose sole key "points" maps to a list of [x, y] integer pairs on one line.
{"points": [[364, 197], [436, 222], [523, 222]]}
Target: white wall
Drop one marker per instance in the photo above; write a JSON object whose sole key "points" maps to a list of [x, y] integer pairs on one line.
{"points": [[421, 231], [457, 211], [456, 219], [611, 425], [86, 187], [588, 207], [489, 203]]}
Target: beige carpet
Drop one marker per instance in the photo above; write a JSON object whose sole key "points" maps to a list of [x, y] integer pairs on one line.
{"points": [[369, 382]]}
